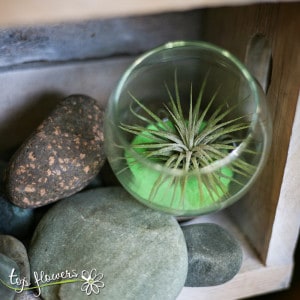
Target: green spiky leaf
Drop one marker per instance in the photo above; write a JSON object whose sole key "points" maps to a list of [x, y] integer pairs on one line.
{"points": [[189, 141]]}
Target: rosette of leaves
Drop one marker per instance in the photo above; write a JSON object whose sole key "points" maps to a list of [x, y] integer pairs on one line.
{"points": [[189, 142]]}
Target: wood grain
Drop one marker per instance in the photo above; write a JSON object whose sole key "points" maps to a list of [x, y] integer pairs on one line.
{"points": [[15, 12], [287, 218], [131, 36], [232, 28]]}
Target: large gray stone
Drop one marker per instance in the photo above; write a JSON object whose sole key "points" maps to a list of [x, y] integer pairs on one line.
{"points": [[214, 255], [60, 157], [95, 38], [141, 252]]}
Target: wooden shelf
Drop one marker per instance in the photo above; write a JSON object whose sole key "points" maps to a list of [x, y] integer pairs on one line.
{"points": [[267, 220], [15, 12], [259, 276], [32, 91], [253, 275]]}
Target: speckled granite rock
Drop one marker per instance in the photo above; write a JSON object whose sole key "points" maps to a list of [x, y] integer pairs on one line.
{"points": [[141, 252], [214, 255], [60, 158]]}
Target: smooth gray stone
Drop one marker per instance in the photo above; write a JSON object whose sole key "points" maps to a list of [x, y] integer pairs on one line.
{"points": [[60, 157], [16, 221], [15, 250], [6, 267], [95, 38], [141, 252], [214, 255]]}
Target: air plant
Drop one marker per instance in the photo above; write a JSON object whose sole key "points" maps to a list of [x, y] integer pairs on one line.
{"points": [[188, 143]]}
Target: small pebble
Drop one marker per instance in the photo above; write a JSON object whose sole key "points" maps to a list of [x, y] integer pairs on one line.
{"points": [[214, 255]]}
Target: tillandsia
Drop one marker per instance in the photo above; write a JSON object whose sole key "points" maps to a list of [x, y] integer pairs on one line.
{"points": [[188, 141]]}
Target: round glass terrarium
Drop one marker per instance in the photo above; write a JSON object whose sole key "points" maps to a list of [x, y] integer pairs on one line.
{"points": [[187, 130]]}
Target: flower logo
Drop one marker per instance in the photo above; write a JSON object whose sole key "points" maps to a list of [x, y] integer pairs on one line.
{"points": [[92, 283]]}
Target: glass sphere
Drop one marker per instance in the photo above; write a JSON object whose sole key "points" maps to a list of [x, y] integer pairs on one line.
{"points": [[187, 130]]}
